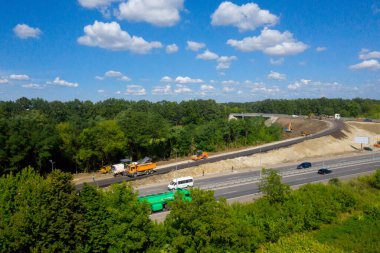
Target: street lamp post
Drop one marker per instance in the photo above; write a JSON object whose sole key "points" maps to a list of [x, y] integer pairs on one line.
{"points": [[52, 164]]}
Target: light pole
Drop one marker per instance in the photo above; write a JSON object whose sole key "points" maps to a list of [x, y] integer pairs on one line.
{"points": [[52, 164]]}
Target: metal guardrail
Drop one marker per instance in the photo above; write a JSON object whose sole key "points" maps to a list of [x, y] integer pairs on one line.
{"points": [[292, 172]]}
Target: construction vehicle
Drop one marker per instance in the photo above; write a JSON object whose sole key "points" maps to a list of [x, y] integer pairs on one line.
{"points": [[289, 128], [160, 201], [105, 169], [304, 133], [377, 144], [144, 166], [199, 155]]}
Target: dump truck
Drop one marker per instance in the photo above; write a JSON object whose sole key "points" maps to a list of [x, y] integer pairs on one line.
{"points": [[160, 201], [144, 166], [199, 155]]}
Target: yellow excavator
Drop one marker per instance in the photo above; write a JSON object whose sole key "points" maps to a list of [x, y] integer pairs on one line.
{"points": [[289, 128]]}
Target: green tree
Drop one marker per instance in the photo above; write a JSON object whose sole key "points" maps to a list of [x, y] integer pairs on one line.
{"points": [[272, 187]]}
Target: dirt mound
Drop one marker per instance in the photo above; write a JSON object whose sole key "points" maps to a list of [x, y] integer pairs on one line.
{"points": [[299, 125]]}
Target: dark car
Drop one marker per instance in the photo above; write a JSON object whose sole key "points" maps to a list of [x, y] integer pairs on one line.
{"points": [[324, 171], [304, 165], [368, 148]]}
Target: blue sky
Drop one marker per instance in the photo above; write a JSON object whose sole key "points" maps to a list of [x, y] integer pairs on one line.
{"points": [[230, 51]]}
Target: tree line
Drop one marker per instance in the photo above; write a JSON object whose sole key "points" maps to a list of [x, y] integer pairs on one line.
{"points": [[78, 136], [40, 214]]}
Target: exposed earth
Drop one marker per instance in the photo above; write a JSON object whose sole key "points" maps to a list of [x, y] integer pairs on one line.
{"points": [[324, 147]]}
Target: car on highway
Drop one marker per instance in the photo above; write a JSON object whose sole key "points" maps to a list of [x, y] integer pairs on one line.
{"points": [[324, 171], [304, 165]]}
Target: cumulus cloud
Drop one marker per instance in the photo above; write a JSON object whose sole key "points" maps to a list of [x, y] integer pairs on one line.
{"points": [[230, 82], [245, 17], [182, 89], [187, 80], [171, 49], [299, 84], [276, 76], [166, 79], [33, 86], [114, 74], [278, 61], [111, 36], [3, 81], [207, 55], [320, 49], [163, 90], [367, 64], [137, 90], [228, 89], [365, 54], [261, 88], [195, 46], [271, 42], [158, 13], [207, 88], [60, 82], [24, 31], [91, 4], [224, 62], [19, 77]]}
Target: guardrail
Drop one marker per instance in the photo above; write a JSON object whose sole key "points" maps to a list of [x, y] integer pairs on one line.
{"points": [[255, 179]]}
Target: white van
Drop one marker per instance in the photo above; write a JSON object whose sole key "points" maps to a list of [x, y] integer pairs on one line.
{"points": [[182, 182]]}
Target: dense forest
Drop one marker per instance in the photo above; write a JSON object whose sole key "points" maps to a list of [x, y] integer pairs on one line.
{"points": [[39, 214], [78, 136]]}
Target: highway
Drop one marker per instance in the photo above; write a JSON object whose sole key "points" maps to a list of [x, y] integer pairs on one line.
{"points": [[335, 126], [237, 184]]}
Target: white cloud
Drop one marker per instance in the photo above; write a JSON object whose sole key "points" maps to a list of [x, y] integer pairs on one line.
{"points": [[320, 49], [299, 84], [278, 61], [228, 89], [195, 46], [24, 31], [207, 55], [207, 88], [159, 13], [100, 91], [137, 90], [3, 81], [368, 64], [164, 90], [19, 77], [271, 42], [224, 62], [172, 48], [91, 4], [113, 74], [111, 36], [276, 76], [187, 80], [61, 82], [246, 17], [182, 89], [261, 88], [33, 86], [166, 79], [365, 54], [229, 82]]}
